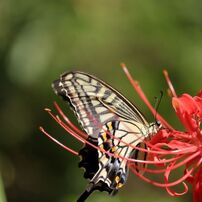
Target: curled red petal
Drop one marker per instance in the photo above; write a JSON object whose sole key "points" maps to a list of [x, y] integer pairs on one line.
{"points": [[187, 109], [197, 186], [198, 101], [185, 103], [166, 179], [200, 93]]}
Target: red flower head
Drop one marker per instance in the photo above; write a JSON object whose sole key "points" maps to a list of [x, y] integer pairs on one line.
{"points": [[173, 149], [189, 111]]}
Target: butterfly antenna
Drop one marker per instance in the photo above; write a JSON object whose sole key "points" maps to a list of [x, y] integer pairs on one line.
{"points": [[157, 104]]}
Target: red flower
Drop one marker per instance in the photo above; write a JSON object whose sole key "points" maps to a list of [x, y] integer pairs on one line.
{"points": [[189, 111], [168, 150], [173, 149]]}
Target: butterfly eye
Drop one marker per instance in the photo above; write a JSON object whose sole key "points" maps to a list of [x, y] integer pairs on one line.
{"points": [[158, 124]]}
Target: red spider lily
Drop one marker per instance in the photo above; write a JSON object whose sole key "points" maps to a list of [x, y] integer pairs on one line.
{"points": [[182, 148], [168, 150]]}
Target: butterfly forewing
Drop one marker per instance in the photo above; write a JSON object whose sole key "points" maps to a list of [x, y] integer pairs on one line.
{"points": [[95, 101]]}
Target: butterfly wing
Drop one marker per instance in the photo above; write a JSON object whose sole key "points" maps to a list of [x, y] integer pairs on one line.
{"points": [[102, 110], [94, 101]]}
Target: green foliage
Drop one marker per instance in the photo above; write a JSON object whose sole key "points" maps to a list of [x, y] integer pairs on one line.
{"points": [[2, 194]]}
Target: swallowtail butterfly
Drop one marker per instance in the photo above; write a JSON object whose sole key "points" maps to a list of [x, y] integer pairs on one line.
{"points": [[88, 95]]}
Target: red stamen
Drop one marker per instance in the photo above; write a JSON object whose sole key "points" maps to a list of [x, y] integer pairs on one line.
{"points": [[66, 127], [157, 147], [69, 122], [140, 92], [181, 151], [74, 133], [171, 184], [170, 85], [57, 142]]}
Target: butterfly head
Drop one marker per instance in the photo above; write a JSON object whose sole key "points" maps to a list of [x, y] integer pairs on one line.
{"points": [[155, 127]]}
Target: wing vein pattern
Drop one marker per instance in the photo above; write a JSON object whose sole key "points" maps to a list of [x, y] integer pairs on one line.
{"points": [[91, 97]]}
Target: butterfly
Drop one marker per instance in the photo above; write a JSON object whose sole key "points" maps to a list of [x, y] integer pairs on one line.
{"points": [[104, 113]]}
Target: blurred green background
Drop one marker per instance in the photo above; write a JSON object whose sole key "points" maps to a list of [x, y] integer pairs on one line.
{"points": [[41, 39]]}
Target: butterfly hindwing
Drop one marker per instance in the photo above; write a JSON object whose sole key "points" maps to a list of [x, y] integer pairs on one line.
{"points": [[109, 173]]}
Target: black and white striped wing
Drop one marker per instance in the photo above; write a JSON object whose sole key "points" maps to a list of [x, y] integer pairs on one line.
{"points": [[95, 102]]}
